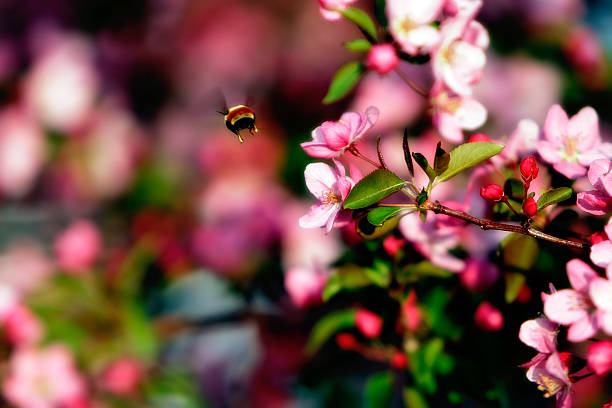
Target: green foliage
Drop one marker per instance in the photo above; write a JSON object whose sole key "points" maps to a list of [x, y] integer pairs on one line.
{"points": [[424, 164], [417, 271], [435, 315], [173, 387], [514, 282], [346, 277], [358, 45], [468, 155], [554, 196], [372, 188], [379, 390], [423, 364], [441, 160], [361, 20], [379, 215], [343, 81], [327, 326], [379, 274], [414, 399], [515, 189], [519, 251]]}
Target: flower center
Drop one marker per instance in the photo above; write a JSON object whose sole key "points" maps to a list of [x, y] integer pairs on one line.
{"points": [[331, 197], [568, 151], [550, 385]]}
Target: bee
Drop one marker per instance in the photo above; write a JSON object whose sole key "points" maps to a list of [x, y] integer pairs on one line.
{"points": [[239, 118]]}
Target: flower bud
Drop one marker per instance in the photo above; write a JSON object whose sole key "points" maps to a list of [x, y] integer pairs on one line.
{"points": [[346, 341], [478, 137], [492, 192], [530, 207], [598, 237], [382, 58], [392, 245], [368, 323], [398, 361], [478, 275], [529, 169], [488, 318], [599, 357]]}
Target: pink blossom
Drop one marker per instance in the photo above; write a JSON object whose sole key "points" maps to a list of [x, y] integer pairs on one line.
{"points": [[368, 323], [433, 242], [601, 252], [330, 187], [393, 245], [488, 317], [45, 378], [454, 113], [478, 275], [540, 334], [599, 357], [30, 260], [573, 307], [305, 285], [22, 327], [410, 312], [328, 8], [410, 24], [77, 248], [571, 144], [522, 140], [331, 139], [122, 376], [459, 59], [382, 58], [598, 201]]}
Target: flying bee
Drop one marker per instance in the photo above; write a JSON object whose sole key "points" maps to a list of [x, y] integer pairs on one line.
{"points": [[239, 118]]}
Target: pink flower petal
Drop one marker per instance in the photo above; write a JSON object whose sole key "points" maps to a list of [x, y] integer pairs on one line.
{"points": [[318, 216], [548, 151], [583, 329], [448, 127], [594, 202], [471, 114], [565, 306], [319, 150], [570, 170], [337, 134], [604, 320], [601, 293], [585, 127], [601, 253], [580, 275], [540, 333], [320, 178], [598, 169], [555, 126]]}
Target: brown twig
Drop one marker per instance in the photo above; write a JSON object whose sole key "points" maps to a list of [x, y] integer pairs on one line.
{"points": [[492, 225], [411, 84], [353, 150]]}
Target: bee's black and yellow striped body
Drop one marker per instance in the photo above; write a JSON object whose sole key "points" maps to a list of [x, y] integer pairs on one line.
{"points": [[240, 117]]}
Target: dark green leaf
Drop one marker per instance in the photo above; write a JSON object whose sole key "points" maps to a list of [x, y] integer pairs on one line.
{"points": [[514, 189], [468, 155], [372, 188], [424, 164], [441, 160], [554, 196], [362, 20], [414, 272], [343, 81], [346, 277], [407, 155], [379, 11], [358, 45], [379, 274], [327, 326], [414, 399], [379, 390], [422, 197], [519, 251], [368, 231], [381, 214], [514, 282]]}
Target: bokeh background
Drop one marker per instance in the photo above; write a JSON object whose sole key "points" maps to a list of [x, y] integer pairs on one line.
{"points": [[142, 239]]}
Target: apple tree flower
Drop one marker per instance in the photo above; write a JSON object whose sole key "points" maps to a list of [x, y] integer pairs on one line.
{"points": [[332, 139], [330, 187], [571, 144], [601, 252], [598, 201], [328, 8], [410, 24]]}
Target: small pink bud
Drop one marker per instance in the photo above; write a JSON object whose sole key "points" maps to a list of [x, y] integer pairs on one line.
{"points": [[599, 357], [478, 137], [368, 323], [524, 294], [122, 376], [411, 312], [478, 275], [492, 192], [530, 207], [382, 58], [529, 169], [78, 247], [598, 237], [488, 318], [347, 341], [392, 245], [398, 361], [22, 327]]}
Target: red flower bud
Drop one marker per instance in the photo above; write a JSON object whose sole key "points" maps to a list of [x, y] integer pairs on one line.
{"points": [[599, 357], [530, 207], [492, 192], [488, 318], [398, 361], [478, 137], [368, 323], [529, 169], [392, 245], [346, 341], [598, 237]]}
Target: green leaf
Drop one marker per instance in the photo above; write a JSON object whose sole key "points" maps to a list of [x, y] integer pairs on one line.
{"points": [[381, 214], [343, 81], [373, 188], [358, 45], [515, 189], [414, 272], [441, 160], [414, 399], [424, 164], [368, 231], [514, 282], [380, 12], [468, 155], [519, 251], [379, 390], [421, 198], [327, 326], [346, 277], [380, 274], [362, 20], [554, 196]]}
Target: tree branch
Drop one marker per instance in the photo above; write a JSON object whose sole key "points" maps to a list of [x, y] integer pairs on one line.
{"points": [[492, 225]]}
